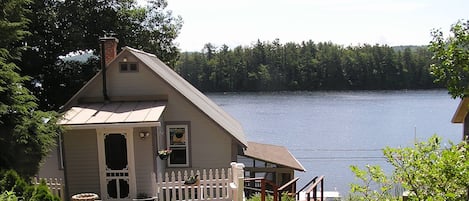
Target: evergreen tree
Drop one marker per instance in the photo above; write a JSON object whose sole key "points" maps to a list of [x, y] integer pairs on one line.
{"points": [[26, 134]]}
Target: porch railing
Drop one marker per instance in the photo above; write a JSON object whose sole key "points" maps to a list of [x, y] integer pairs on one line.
{"points": [[212, 184], [55, 185], [264, 187], [313, 189]]}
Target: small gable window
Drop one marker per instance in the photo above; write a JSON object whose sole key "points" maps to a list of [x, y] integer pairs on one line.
{"points": [[126, 67], [178, 142]]}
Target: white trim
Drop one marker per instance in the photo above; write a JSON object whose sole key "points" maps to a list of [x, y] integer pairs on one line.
{"points": [[101, 161], [130, 158], [113, 125], [131, 161]]}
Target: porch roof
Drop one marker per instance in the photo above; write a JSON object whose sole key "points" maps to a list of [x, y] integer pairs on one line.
{"points": [[143, 113], [273, 154], [461, 111]]}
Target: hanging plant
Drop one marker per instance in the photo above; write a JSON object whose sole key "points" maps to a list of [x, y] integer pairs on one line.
{"points": [[164, 154]]}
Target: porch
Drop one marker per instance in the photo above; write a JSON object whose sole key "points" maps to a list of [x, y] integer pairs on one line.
{"points": [[224, 184]]}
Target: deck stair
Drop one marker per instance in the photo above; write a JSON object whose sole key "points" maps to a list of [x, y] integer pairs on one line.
{"points": [[263, 186]]}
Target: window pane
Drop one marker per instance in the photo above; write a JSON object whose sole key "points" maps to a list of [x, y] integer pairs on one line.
{"points": [[177, 136], [178, 156], [133, 67], [123, 67]]}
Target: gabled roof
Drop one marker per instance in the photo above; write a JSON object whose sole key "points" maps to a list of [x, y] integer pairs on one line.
{"points": [[461, 111], [273, 154], [192, 94]]}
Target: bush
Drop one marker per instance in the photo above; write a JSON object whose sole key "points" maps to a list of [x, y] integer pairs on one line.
{"points": [[257, 197], [11, 181], [42, 193], [8, 196], [13, 186]]}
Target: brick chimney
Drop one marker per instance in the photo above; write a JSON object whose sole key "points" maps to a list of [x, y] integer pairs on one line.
{"points": [[108, 53], [110, 48]]}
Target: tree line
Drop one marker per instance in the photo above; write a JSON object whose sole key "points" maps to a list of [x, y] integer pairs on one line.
{"points": [[272, 66]]}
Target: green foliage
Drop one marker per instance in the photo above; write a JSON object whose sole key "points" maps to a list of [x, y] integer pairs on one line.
{"points": [[432, 172], [13, 186], [11, 181], [26, 134], [42, 193], [374, 184], [428, 171], [8, 196], [271, 66], [60, 27], [12, 26], [268, 197], [451, 59]]}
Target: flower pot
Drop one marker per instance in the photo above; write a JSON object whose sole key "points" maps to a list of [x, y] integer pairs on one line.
{"points": [[163, 156], [85, 197]]}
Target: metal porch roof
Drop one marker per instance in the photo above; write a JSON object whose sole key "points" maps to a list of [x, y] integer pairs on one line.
{"points": [[113, 113]]}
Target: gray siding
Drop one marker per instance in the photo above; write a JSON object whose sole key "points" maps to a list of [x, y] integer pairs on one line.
{"points": [[81, 153], [144, 157], [210, 145], [50, 168]]}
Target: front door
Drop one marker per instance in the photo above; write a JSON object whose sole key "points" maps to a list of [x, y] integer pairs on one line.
{"points": [[116, 164]]}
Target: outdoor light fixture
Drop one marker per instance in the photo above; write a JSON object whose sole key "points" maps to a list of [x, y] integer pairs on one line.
{"points": [[143, 135], [124, 59]]}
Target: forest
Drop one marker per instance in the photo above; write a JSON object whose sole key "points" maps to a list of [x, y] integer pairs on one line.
{"points": [[273, 66]]}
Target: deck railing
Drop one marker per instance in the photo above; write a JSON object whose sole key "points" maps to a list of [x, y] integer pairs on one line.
{"points": [[212, 184], [263, 187], [313, 189], [55, 185]]}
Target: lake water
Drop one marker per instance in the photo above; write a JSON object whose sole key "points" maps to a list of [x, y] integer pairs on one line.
{"points": [[329, 131]]}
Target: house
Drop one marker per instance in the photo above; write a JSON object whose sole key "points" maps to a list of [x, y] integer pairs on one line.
{"points": [[134, 107], [461, 116]]}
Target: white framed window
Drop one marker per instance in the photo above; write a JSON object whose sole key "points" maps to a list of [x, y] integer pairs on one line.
{"points": [[178, 141]]}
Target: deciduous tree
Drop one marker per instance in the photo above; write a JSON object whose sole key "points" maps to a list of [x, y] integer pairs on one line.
{"points": [[431, 171], [427, 171], [60, 27], [451, 59]]}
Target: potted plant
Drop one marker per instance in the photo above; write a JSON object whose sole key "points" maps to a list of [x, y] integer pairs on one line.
{"points": [[164, 154]]}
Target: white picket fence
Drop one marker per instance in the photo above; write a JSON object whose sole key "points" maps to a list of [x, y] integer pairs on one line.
{"points": [[218, 184], [56, 186]]}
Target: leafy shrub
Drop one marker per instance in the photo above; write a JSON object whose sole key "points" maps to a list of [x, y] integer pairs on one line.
{"points": [[42, 193], [13, 186], [8, 196], [257, 197], [11, 181]]}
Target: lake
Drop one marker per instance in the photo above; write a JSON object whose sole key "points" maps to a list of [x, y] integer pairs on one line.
{"points": [[329, 131]]}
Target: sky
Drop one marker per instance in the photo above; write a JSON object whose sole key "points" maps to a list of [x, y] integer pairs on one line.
{"points": [[343, 22]]}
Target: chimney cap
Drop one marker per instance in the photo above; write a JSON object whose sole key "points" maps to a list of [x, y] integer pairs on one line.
{"points": [[107, 38]]}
